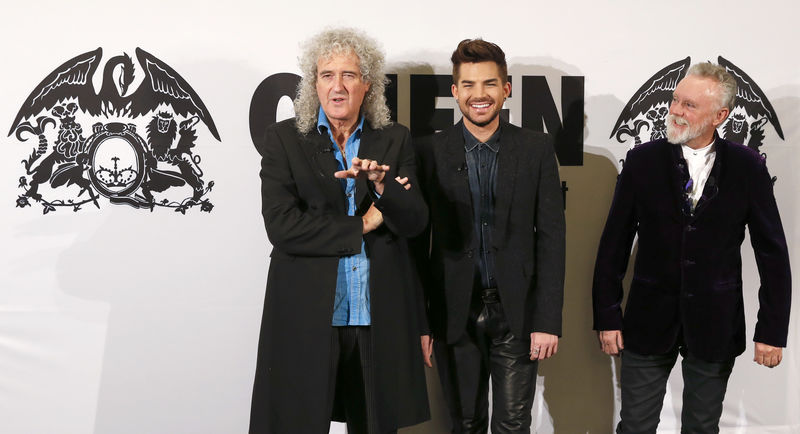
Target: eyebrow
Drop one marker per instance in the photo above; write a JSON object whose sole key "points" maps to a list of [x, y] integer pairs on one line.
{"points": [[490, 80], [331, 71], [688, 100]]}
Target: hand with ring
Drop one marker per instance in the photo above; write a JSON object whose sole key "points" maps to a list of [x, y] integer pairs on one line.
{"points": [[543, 345]]}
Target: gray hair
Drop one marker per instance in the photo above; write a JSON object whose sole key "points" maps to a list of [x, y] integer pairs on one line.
{"points": [[371, 62], [725, 81]]}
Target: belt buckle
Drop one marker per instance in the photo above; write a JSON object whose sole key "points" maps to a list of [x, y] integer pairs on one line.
{"points": [[490, 295]]}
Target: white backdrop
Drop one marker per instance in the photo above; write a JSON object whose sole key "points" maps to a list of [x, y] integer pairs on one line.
{"points": [[117, 320]]}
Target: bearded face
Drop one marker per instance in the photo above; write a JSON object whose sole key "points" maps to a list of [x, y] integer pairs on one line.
{"points": [[692, 131], [695, 111]]}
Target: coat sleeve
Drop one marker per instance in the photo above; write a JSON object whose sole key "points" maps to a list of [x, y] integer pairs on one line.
{"points": [[420, 245], [614, 252], [772, 260], [404, 211], [292, 225], [550, 246], [405, 214]]}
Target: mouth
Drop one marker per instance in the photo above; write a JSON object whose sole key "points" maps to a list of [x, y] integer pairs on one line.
{"points": [[679, 122], [480, 106]]}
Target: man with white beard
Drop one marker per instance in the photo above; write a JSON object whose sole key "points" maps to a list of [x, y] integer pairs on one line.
{"points": [[689, 198]]}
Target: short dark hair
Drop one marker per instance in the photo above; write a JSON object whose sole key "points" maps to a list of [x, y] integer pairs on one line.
{"points": [[478, 50]]}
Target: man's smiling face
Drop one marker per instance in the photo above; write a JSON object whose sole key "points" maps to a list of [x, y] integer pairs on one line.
{"points": [[480, 92]]}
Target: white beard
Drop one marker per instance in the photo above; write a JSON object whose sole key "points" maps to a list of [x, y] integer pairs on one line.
{"points": [[689, 133]]}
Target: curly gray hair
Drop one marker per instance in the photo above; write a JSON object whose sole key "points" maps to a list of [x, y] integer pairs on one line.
{"points": [[371, 62], [725, 81]]}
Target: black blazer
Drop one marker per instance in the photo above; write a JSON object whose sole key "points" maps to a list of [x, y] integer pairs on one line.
{"points": [[307, 223], [688, 273], [528, 232]]}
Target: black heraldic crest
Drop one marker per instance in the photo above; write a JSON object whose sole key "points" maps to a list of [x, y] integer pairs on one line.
{"points": [[109, 156], [644, 117]]}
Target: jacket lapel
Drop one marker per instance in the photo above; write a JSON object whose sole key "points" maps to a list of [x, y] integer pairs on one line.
{"points": [[678, 177], [455, 171], [505, 178], [711, 188], [373, 147], [320, 153]]}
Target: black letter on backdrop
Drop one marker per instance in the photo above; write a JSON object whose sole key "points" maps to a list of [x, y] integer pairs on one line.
{"points": [[539, 110], [264, 105], [425, 117]]}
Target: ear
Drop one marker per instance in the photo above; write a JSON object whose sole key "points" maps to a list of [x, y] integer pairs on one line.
{"points": [[720, 117], [506, 89], [454, 90]]}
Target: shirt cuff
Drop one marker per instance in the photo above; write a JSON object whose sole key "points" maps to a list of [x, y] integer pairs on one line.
{"points": [[371, 189]]}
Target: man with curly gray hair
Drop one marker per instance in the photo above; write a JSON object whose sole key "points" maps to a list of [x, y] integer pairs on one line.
{"points": [[371, 64], [340, 335]]}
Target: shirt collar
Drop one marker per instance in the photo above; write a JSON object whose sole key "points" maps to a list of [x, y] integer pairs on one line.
{"points": [[702, 152], [470, 142], [323, 125]]}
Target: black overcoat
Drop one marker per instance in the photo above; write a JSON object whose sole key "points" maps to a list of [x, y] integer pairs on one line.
{"points": [[528, 238], [307, 223], [687, 281]]}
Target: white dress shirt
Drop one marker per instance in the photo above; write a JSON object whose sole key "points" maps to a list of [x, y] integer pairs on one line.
{"points": [[699, 162]]}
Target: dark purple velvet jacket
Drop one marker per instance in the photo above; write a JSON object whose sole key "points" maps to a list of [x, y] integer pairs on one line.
{"points": [[687, 282]]}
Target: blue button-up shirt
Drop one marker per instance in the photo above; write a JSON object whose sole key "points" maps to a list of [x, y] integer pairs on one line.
{"points": [[351, 304], [482, 170]]}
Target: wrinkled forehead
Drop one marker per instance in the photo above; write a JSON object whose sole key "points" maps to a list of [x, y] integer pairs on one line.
{"points": [[698, 88], [339, 55]]}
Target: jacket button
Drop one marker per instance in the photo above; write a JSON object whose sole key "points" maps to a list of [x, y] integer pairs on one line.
{"points": [[688, 262], [469, 253], [690, 228]]}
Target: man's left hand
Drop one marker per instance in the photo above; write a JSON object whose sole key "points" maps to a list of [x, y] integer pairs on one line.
{"points": [[403, 181], [767, 355], [369, 169], [543, 345]]}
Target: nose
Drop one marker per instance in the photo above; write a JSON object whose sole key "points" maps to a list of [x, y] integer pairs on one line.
{"points": [[675, 109], [338, 82]]}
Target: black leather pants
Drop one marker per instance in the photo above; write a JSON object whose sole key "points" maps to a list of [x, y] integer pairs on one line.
{"points": [[489, 350]]}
